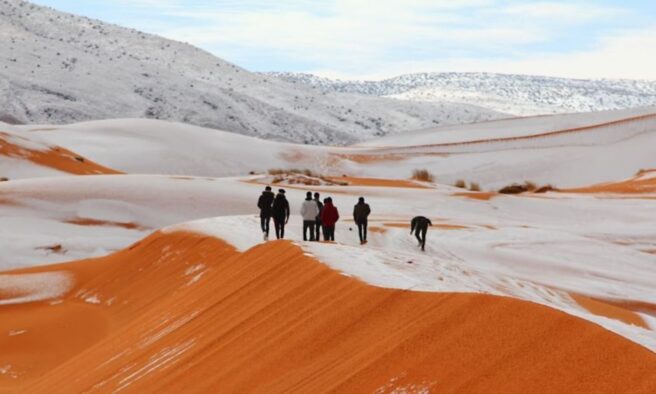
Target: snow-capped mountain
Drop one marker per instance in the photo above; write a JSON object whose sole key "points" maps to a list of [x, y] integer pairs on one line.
{"points": [[513, 94], [61, 68]]}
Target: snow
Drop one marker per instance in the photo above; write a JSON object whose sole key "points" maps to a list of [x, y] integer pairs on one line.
{"points": [[159, 360], [542, 266], [512, 151], [24, 288], [521, 95]]}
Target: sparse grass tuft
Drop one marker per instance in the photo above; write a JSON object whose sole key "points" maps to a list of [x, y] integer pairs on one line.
{"points": [[475, 187], [422, 175], [545, 188], [527, 186], [530, 186]]}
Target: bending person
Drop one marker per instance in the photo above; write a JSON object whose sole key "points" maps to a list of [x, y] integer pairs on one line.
{"points": [[419, 225]]}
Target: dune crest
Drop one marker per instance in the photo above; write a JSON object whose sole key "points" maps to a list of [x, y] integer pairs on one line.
{"points": [[186, 312]]}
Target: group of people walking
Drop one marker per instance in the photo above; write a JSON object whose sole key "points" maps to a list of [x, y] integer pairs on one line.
{"points": [[320, 217]]}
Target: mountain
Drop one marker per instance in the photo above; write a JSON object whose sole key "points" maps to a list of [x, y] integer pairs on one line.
{"points": [[520, 95], [59, 68]]}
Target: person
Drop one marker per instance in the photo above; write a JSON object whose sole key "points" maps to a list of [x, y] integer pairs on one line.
{"points": [[309, 212], [264, 203], [280, 213], [329, 216], [419, 225], [361, 213], [317, 223]]}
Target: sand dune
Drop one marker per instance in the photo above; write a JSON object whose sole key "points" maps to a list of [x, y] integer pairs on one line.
{"points": [[643, 183], [548, 293], [565, 150], [184, 312], [56, 158]]}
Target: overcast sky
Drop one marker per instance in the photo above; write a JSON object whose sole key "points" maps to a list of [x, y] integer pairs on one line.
{"points": [[383, 38]]}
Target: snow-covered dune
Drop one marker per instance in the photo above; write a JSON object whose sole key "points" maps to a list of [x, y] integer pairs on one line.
{"points": [[186, 312], [563, 150]]}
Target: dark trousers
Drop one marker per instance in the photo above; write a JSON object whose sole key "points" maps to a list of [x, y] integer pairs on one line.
{"points": [[362, 230], [421, 236], [279, 223], [317, 231], [308, 225], [329, 233], [264, 223]]}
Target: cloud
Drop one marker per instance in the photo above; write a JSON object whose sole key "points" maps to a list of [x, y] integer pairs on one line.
{"points": [[564, 12], [625, 54], [365, 38]]}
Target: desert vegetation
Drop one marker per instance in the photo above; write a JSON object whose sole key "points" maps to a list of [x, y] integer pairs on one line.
{"points": [[527, 186], [295, 176], [422, 175]]}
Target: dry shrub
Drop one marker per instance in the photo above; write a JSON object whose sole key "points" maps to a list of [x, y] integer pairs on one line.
{"points": [[422, 175], [461, 184], [276, 171], [475, 187], [545, 188], [333, 182], [530, 186], [515, 188], [527, 186]]}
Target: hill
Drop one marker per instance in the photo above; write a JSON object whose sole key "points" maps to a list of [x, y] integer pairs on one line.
{"points": [[520, 95], [60, 68]]}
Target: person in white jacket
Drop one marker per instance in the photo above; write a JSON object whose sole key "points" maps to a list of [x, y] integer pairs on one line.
{"points": [[309, 212]]}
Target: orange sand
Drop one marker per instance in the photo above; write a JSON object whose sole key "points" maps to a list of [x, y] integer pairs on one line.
{"points": [[57, 158], [95, 222], [380, 182], [483, 196], [275, 320], [613, 312], [635, 185]]}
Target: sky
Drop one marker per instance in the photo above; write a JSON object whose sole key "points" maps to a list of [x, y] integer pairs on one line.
{"points": [[376, 39]]}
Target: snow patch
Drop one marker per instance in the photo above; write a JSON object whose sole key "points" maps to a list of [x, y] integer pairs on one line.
{"points": [[24, 288]]}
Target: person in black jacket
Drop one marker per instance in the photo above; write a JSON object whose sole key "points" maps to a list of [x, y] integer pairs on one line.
{"points": [[280, 213], [361, 213], [317, 223], [264, 203], [419, 225]]}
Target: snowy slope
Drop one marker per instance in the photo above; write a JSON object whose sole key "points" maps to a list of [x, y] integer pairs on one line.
{"points": [[60, 68], [564, 150], [519, 95], [546, 250]]}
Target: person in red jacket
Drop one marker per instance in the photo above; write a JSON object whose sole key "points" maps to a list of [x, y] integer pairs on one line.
{"points": [[329, 216]]}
